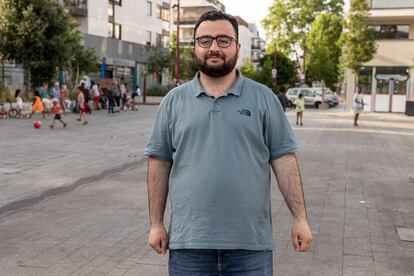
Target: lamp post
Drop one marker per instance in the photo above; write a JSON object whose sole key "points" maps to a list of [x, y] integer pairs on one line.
{"points": [[177, 45], [274, 71]]}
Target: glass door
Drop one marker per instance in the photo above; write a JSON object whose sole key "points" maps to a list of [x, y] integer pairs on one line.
{"points": [[382, 96]]}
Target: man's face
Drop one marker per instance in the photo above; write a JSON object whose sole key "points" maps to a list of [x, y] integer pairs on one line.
{"points": [[216, 61]]}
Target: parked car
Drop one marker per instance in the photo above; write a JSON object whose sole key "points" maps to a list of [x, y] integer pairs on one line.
{"points": [[312, 95]]}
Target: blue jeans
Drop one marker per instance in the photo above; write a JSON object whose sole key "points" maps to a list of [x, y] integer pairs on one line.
{"points": [[206, 262]]}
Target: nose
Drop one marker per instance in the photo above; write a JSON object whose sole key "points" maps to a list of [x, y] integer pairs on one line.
{"points": [[214, 46]]}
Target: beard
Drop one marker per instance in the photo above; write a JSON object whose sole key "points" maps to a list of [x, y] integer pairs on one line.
{"points": [[216, 70]]}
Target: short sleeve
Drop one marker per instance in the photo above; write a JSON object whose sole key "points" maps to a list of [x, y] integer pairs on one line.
{"points": [[278, 133], [159, 142]]}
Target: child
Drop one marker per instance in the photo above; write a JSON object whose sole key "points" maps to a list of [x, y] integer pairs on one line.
{"points": [[37, 105], [300, 107], [19, 104], [57, 109], [83, 106]]}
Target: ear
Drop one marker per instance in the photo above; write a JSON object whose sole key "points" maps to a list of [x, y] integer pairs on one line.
{"points": [[193, 49]]}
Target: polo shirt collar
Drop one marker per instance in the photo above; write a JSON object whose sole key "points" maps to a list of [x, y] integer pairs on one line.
{"points": [[234, 89]]}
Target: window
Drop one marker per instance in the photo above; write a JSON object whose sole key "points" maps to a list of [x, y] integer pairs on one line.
{"points": [[390, 31], [394, 4], [307, 93], [115, 2], [110, 10], [149, 8], [158, 40], [293, 92], [162, 13], [148, 38], [365, 79], [114, 30], [158, 12]]}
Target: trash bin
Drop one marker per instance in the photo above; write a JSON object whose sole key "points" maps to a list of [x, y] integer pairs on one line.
{"points": [[409, 108]]}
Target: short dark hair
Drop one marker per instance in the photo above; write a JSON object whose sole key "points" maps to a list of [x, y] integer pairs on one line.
{"points": [[215, 15]]}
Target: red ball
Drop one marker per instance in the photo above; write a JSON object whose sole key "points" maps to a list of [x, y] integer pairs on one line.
{"points": [[37, 124]]}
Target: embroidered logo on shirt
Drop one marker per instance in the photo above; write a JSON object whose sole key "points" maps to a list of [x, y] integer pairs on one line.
{"points": [[245, 112]]}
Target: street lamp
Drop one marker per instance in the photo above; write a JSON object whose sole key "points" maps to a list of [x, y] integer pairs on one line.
{"points": [[177, 45]]}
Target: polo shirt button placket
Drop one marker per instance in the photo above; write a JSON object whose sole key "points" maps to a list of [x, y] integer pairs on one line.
{"points": [[215, 108]]}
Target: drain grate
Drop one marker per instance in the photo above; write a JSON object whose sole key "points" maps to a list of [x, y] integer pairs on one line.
{"points": [[406, 234]]}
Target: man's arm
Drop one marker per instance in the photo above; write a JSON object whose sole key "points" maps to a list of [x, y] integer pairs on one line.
{"points": [[158, 175], [290, 185]]}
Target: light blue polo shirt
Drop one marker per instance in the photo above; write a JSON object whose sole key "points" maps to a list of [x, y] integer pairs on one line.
{"points": [[219, 184]]}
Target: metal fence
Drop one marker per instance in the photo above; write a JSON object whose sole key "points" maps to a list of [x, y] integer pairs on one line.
{"points": [[12, 76]]}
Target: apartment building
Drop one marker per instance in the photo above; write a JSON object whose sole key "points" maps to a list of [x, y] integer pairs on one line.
{"points": [[387, 80], [252, 46], [119, 31]]}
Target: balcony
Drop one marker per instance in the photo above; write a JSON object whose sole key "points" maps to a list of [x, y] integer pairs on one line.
{"points": [[258, 44], [77, 7]]}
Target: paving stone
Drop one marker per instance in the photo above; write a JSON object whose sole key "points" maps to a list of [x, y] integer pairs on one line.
{"points": [[101, 227], [406, 234]]}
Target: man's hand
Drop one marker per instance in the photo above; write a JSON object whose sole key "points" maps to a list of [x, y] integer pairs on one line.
{"points": [[301, 235], [158, 239]]}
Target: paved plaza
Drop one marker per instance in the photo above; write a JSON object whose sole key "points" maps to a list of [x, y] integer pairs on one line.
{"points": [[74, 202]]}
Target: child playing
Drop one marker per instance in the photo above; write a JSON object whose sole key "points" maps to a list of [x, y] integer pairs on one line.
{"points": [[37, 105], [19, 104], [57, 109], [300, 107]]}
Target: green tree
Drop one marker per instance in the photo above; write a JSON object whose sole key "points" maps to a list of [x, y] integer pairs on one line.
{"points": [[323, 50], [38, 34], [158, 59], [289, 21], [80, 61], [188, 66], [286, 70], [357, 40]]}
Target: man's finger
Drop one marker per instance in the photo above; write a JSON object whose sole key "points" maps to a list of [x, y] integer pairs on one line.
{"points": [[164, 246], [295, 241], [304, 246], [156, 247]]}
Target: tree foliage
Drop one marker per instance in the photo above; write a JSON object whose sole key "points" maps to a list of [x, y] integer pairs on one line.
{"points": [[158, 59], [289, 21], [323, 50], [286, 70], [188, 66], [357, 41], [40, 34]]}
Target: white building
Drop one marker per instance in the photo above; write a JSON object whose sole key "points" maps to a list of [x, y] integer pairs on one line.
{"points": [[252, 46], [119, 30], [387, 79]]}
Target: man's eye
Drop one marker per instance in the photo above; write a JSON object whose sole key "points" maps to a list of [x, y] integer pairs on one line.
{"points": [[223, 40], [205, 40]]}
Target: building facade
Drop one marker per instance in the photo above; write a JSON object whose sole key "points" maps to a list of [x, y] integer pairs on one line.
{"points": [[387, 80], [252, 46], [120, 31]]}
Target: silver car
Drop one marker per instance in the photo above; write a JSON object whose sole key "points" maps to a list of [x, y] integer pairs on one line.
{"points": [[312, 95]]}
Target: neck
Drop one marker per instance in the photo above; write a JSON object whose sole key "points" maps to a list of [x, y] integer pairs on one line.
{"points": [[217, 86]]}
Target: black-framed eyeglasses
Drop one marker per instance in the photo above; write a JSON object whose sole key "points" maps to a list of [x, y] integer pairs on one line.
{"points": [[223, 41]]}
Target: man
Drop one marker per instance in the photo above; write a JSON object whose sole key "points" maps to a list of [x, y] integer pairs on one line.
{"points": [[358, 104], [43, 92], [211, 147], [282, 98]]}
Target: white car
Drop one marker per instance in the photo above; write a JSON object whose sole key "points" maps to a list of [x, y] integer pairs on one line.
{"points": [[312, 95]]}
